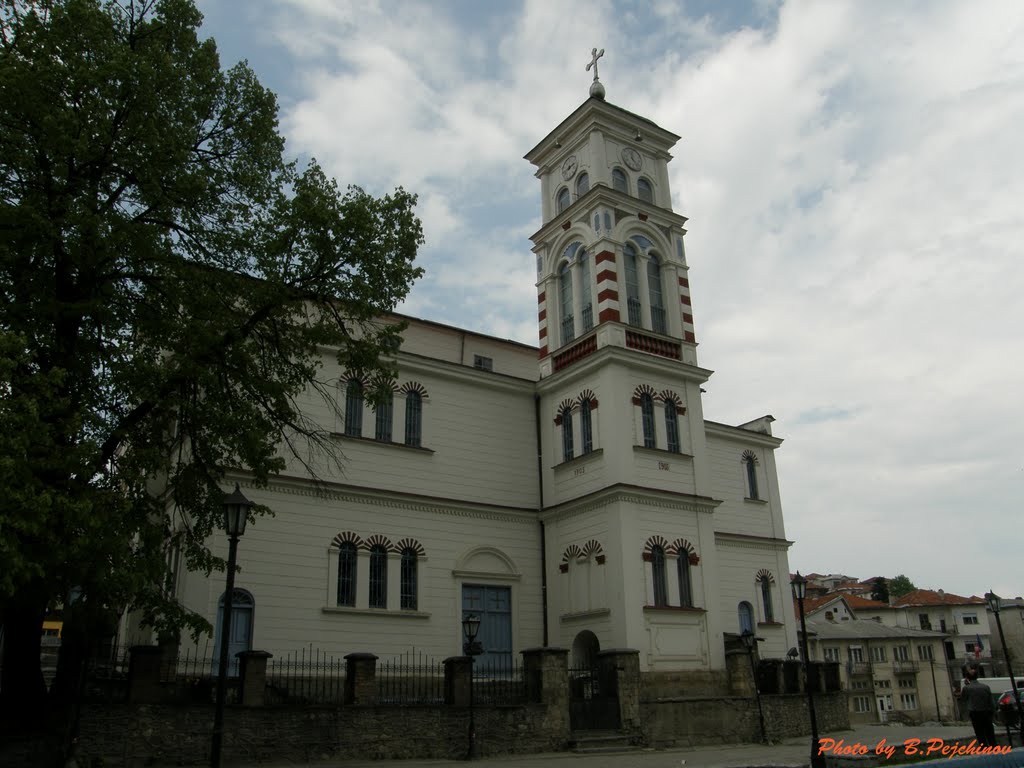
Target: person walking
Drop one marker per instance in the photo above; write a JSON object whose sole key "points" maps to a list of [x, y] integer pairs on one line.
{"points": [[979, 707]]}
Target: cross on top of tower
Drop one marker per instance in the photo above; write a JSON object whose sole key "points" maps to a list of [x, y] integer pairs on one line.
{"points": [[594, 56], [596, 89]]}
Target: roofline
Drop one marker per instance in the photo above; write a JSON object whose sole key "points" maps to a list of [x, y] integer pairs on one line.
{"points": [[457, 329]]}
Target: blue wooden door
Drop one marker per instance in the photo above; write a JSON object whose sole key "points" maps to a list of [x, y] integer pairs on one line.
{"points": [[494, 607], [242, 605]]}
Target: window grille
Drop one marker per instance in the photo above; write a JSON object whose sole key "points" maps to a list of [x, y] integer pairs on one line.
{"points": [[685, 582], [409, 579], [672, 426], [619, 181], [384, 418], [567, 446], [378, 577], [586, 311], [347, 555], [354, 408], [766, 598], [746, 617], [647, 419], [632, 286], [657, 298], [565, 302], [644, 190], [751, 466], [658, 574], [413, 418], [586, 426]]}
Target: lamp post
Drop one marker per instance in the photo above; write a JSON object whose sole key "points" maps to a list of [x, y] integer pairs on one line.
{"points": [[236, 514], [799, 584], [993, 603], [749, 640], [471, 648]]}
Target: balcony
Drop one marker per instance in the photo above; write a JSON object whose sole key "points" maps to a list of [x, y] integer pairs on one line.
{"points": [[576, 352], [654, 345], [858, 668], [905, 667]]}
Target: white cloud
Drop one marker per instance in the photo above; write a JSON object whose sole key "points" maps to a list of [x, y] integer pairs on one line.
{"points": [[853, 173]]}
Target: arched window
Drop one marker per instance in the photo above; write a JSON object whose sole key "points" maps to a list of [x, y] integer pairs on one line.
{"points": [[619, 180], [672, 425], [644, 190], [565, 302], [685, 582], [658, 574], [582, 185], [347, 555], [746, 614], [750, 464], [409, 579], [567, 447], [647, 419], [586, 307], [657, 302], [563, 199], [766, 599], [632, 286], [378, 576], [586, 426], [413, 418], [354, 408], [385, 412]]}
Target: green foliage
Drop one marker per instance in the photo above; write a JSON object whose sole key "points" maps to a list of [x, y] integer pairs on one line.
{"points": [[880, 590], [901, 585], [169, 283]]}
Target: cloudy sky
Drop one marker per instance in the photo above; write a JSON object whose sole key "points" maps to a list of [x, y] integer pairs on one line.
{"points": [[853, 174]]}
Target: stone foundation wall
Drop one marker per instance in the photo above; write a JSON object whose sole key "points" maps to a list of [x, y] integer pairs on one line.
{"points": [[131, 735], [666, 685], [695, 721]]}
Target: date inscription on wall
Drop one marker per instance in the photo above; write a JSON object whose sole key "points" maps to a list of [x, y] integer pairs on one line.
{"points": [[579, 471], [663, 465]]}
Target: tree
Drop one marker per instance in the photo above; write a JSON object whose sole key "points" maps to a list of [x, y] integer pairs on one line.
{"points": [[901, 585], [880, 590], [169, 283]]}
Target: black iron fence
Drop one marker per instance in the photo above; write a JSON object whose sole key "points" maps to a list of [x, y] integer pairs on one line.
{"points": [[499, 682], [305, 676], [410, 678]]}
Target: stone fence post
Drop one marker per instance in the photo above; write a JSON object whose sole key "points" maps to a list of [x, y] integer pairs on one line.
{"points": [[546, 675], [458, 674], [144, 673], [360, 678], [252, 677]]}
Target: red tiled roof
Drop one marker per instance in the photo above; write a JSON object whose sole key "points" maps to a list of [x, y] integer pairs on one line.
{"points": [[856, 601], [931, 597]]}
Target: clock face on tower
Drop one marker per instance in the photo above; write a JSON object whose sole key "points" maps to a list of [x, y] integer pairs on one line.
{"points": [[569, 167], [631, 158]]}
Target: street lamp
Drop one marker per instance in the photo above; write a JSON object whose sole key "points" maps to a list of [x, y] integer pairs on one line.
{"points": [[749, 641], [236, 514], [471, 648], [799, 584], [993, 604]]}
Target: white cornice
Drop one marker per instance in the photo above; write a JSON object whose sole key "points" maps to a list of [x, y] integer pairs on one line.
{"points": [[740, 435], [631, 494], [746, 541], [288, 485]]}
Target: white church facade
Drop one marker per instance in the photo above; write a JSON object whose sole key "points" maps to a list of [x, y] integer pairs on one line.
{"points": [[570, 494]]}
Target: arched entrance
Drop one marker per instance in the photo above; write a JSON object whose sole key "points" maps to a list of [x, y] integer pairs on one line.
{"points": [[242, 609], [593, 698]]}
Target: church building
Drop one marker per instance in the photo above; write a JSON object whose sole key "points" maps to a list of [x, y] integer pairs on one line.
{"points": [[570, 494]]}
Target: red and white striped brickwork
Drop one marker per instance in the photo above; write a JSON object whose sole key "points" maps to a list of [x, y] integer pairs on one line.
{"points": [[684, 297], [542, 322], [607, 287]]}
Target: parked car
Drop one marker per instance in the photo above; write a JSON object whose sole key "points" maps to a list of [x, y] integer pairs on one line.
{"points": [[1006, 712]]}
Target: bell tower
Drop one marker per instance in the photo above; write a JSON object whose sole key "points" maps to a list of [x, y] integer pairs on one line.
{"points": [[611, 264]]}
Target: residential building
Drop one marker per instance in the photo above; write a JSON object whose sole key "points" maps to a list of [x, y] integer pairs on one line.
{"points": [[1011, 616], [889, 673], [571, 494]]}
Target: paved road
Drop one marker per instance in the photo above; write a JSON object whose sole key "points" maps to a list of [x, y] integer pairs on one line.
{"points": [[792, 752]]}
